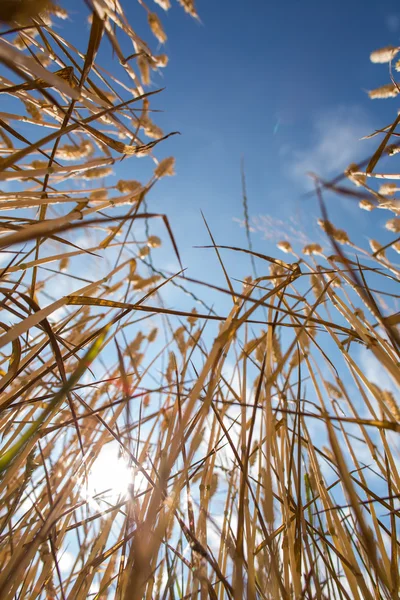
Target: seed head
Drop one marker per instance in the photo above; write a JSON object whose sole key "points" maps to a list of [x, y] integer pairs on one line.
{"points": [[156, 27], [338, 234], [376, 248], [165, 167], [385, 91], [97, 172], [352, 173], [124, 186], [388, 189], [161, 60], [165, 4], [392, 148], [144, 251], [193, 318], [284, 246], [144, 68], [153, 241], [312, 249], [99, 195], [366, 205], [188, 6], [384, 55], [393, 225]]}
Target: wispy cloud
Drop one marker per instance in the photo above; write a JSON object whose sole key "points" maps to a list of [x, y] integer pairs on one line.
{"points": [[334, 144], [393, 22]]}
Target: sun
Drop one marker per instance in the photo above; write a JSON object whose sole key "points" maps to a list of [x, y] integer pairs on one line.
{"points": [[110, 477]]}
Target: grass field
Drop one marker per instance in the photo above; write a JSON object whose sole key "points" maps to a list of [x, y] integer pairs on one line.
{"points": [[167, 453]]}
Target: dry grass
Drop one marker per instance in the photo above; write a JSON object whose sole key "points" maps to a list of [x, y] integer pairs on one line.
{"points": [[258, 458]]}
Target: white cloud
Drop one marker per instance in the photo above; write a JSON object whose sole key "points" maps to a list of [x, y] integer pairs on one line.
{"points": [[375, 373], [66, 561], [335, 143]]}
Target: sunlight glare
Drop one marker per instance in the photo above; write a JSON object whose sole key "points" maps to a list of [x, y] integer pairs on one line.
{"points": [[110, 477]]}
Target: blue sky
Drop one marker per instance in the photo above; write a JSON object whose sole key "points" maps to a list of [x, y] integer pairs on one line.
{"points": [[282, 84], [272, 81]]}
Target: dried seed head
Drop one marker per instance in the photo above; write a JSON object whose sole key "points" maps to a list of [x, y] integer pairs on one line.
{"points": [[253, 454], [156, 27], [144, 68], [151, 129], [353, 173], [393, 225], [390, 401], [188, 6], [284, 246], [359, 313], [142, 284], [388, 189], [396, 247], [192, 319], [75, 152], [33, 111], [124, 186], [165, 4], [392, 148], [165, 167], [171, 367], [179, 337], [152, 335], [385, 91], [64, 262], [136, 343], [153, 241], [99, 195], [276, 349], [277, 271], [329, 454], [333, 390], [376, 248], [317, 286], [132, 268], [337, 234], [301, 351], [366, 205], [384, 55], [247, 284], [144, 251], [161, 60], [97, 172], [58, 12], [39, 164], [312, 249]]}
